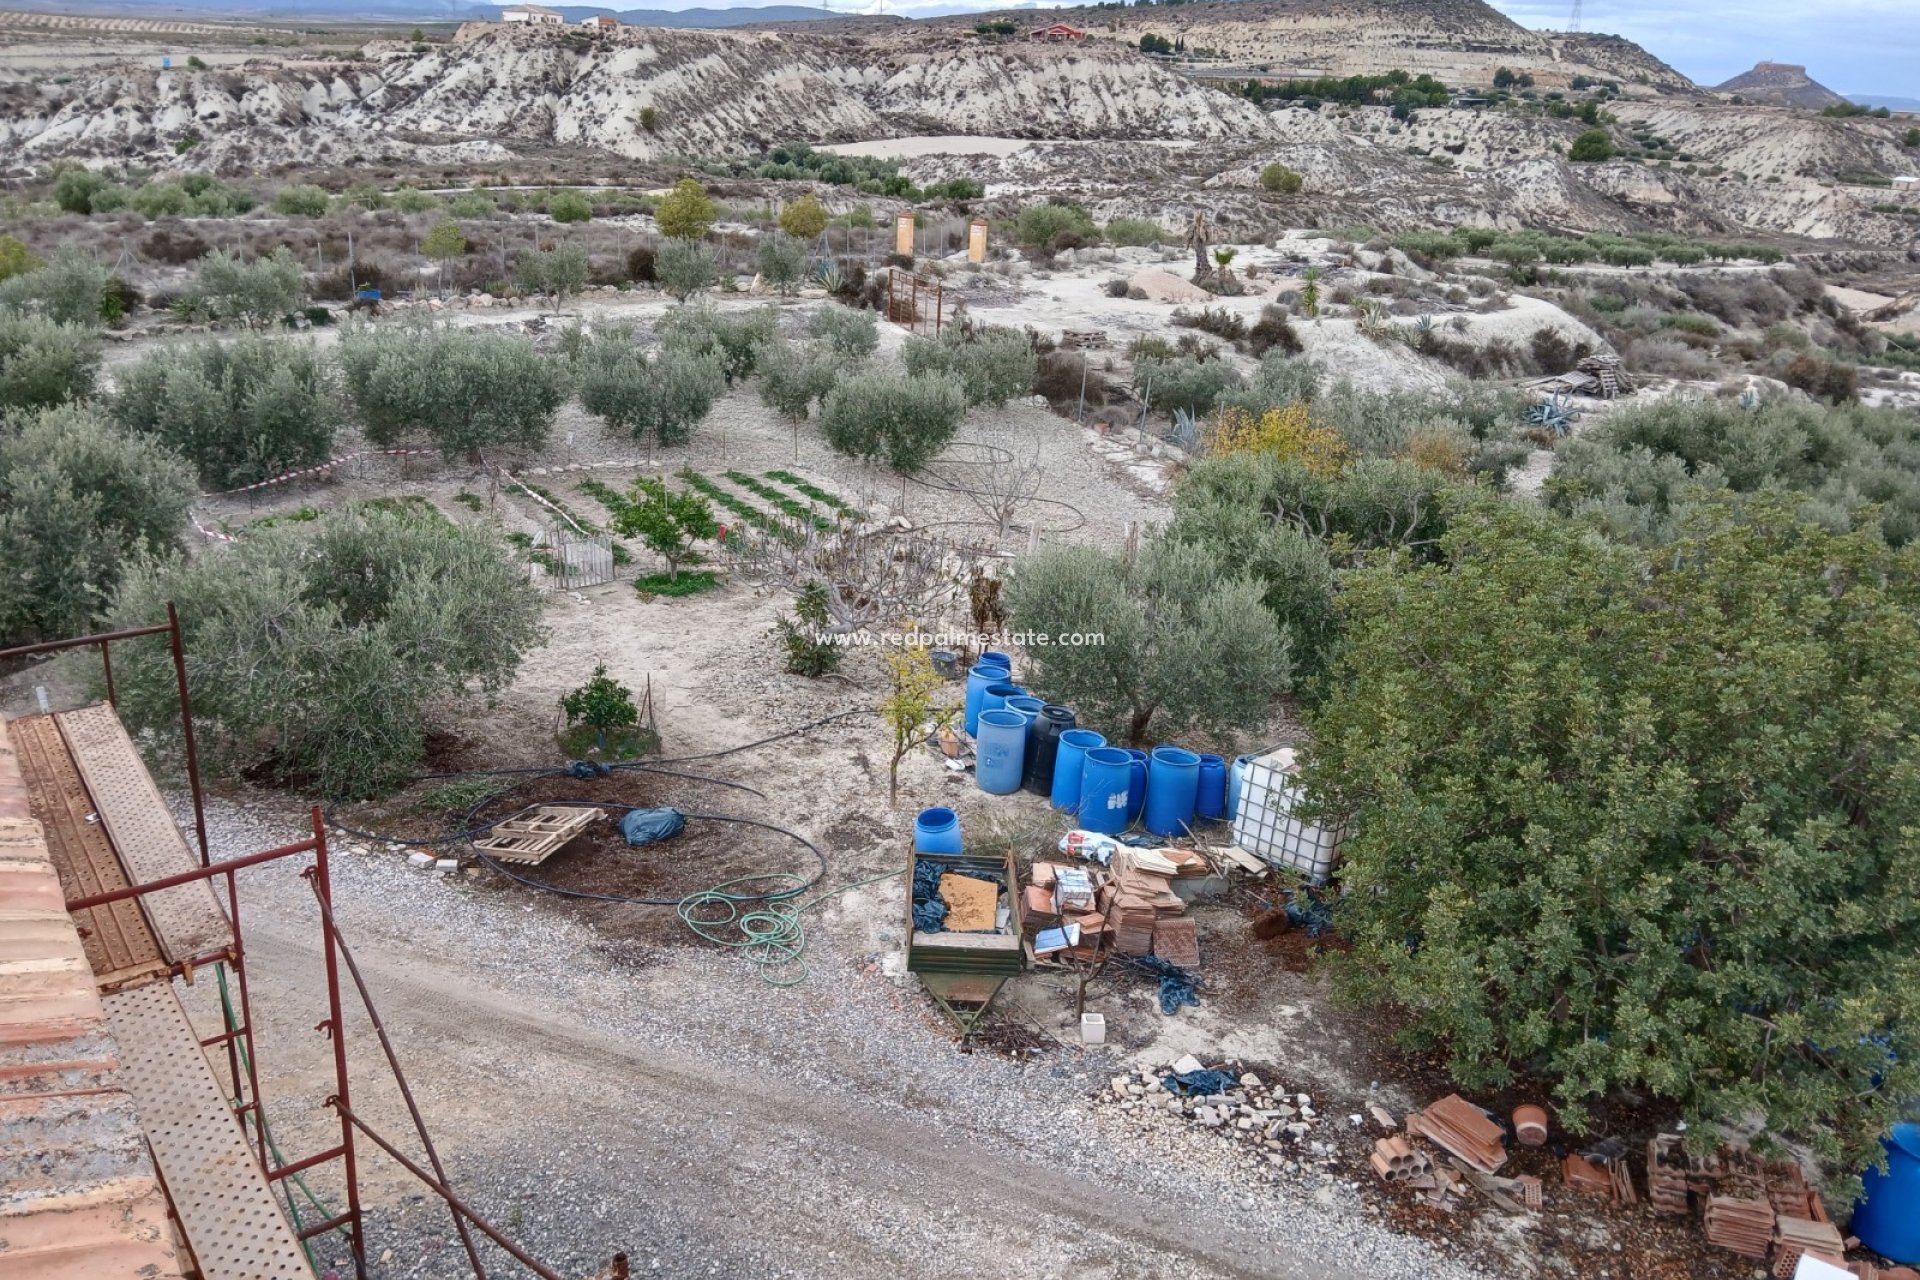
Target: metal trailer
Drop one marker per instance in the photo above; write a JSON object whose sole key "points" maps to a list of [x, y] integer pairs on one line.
{"points": [[963, 972]]}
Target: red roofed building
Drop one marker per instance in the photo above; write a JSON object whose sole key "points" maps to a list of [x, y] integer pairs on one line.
{"points": [[1058, 33]]}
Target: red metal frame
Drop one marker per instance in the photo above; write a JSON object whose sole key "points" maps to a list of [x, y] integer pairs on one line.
{"points": [[247, 1098]]}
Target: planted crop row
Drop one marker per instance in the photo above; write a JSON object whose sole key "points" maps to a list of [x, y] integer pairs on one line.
{"points": [[781, 501], [816, 493], [745, 510]]}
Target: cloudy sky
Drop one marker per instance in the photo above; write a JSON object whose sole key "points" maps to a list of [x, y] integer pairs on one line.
{"points": [[1852, 46]]}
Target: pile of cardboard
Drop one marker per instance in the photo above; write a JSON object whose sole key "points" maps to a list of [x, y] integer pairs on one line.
{"points": [[1462, 1129]]}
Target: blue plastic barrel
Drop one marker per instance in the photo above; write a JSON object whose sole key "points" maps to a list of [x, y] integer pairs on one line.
{"points": [[937, 831], [1104, 784], [982, 675], [1236, 779], [1173, 780], [1043, 747], [995, 698], [1210, 801], [1136, 784], [1029, 706], [995, 658], [1887, 1219], [1068, 765], [1001, 751]]}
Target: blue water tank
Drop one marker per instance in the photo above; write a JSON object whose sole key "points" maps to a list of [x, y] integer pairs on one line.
{"points": [[1069, 764], [1029, 706], [1136, 784], [995, 698], [937, 831], [1887, 1219], [1043, 747], [995, 658], [1000, 752], [1236, 778], [1173, 780], [1104, 784], [1210, 801], [982, 675]]}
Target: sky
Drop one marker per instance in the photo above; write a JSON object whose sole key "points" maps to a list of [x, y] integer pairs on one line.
{"points": [[1850, 46]]}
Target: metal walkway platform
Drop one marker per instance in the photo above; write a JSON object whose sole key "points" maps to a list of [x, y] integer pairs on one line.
{"points": [[119, 943], [186, 919], [230, 1218]]}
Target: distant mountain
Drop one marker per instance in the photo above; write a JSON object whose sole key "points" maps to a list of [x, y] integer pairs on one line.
{"points": [[419, 11], [1781, 84], [683, 17], [1885, 100]]}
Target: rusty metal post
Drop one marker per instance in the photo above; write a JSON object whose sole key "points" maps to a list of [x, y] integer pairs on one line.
{"points": [[336, 1026], [246, 1023], [106, 665], [186, 731]]}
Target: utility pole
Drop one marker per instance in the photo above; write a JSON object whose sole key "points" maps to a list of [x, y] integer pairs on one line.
{"points": [[1573, 22]]}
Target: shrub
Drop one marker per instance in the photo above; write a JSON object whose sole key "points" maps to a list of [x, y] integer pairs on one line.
{"points": [[78, 499], [1591, 147], [300, 201], [1569, 859], [782, 261], [15, 260], [444, 240], [320, 648], [1054, 225], [683, 267], [256, 292], [686, 213], [1135, 232], [733, 339], [992, 364], [668, 522], [1273, 331], [803, 635], [850, 333], [1288, 435], [640, 264], [805, 218], [602, 703], [792, 380], [239, 411], [74, 190], [906, 421], [659, 398], [473, 204], [413, 200], [1218, 321], [43, 363], [1278, 178], [69, 289], [1185, 644], [559, 272], [1828, 380], [1182, 382], [466, 390], [1911, 138], [569, 206]]}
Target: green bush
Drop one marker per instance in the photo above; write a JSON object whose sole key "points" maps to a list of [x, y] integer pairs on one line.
{"points": [[792, 379], [805, 218], [668, 522], [559, 272], [413, 200], [239, 411], [1185, 643], [734, 339], [465, 390], [1136, 233], [43, 363], [303, 200], [78, 499], [803, 635], [906, 421], [1642, 472], [1055, 225], [683, 267], [1182, 382], [256, 292], [852, 334], [992, 364], [659, 399], [473, 204], [74, 190], [69, 289], [687, 213], [1640, 820], [320, 649], [569, 206], [782, 261], [1591, 147], [15, 258], [1281, 180]]}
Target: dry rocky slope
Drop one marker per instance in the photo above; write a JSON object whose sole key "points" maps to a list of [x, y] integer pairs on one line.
{"points": [[1783, 84]]}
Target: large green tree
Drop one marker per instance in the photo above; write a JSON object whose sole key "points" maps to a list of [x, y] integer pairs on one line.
{"points": [[466, 390], [1642, 818]]}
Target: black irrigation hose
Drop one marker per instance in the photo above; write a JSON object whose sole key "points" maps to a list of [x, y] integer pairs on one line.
{"points": [[647, 764]]}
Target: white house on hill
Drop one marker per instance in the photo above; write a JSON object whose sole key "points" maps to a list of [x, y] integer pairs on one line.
{"points": [[532, 13]]}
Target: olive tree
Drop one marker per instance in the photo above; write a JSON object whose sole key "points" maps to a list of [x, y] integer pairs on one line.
{"points": [[735, 339], [320, 652], [1142, 649], [992, 364], [906, 421], [465, 390], [240, 411], [258, 292], [658, 397], [78, 498], [44, 362], [1641, 819], [794, 379], [559, 272], [70, 288], [683, 268], [782, 260], [854, 334]]}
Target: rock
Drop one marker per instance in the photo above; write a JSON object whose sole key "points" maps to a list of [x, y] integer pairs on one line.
{"points": [[1284, 1112], [444, 865], [417, 859], [1187, 1065], [1250, 1081]]}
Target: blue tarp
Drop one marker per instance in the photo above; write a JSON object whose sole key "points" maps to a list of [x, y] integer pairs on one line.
{"points": [[650, 826], [1176, 985], [1199, 1084]]}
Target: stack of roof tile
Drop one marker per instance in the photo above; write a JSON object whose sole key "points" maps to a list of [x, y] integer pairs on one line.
{"points": [[1175, 942], [1667, 1174], [1744, 1226], [1791, 1197], [1457, 1126], [1586, 1177], [1062, 895], [1795, 1237]]}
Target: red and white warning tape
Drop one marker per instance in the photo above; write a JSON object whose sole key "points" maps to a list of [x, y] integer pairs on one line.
{"points": [[328, 465]]}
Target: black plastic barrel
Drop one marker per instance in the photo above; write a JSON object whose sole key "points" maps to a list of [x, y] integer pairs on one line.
{"points": [[1044, 747]]}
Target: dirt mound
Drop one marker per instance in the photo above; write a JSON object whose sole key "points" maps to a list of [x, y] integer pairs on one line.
{"points": [[1164, 286]]}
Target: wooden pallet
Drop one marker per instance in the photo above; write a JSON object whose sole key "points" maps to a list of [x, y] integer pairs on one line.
{"points": [[531, 838]]}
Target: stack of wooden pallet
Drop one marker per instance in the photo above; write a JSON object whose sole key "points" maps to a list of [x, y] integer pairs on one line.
{"points": [[1461, 1128], [1744, 1226], [535, 836]]}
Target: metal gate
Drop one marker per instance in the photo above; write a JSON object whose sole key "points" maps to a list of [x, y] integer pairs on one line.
{"points": [[578, 559]]}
